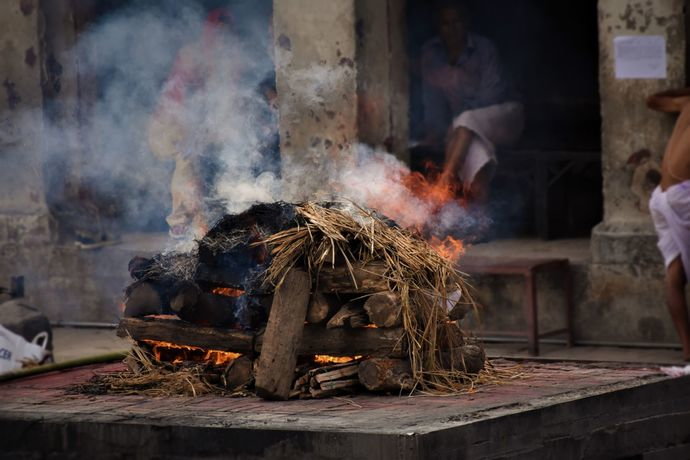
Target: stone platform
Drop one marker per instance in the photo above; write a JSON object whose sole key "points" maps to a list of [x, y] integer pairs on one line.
{"points": [[552, 410]]}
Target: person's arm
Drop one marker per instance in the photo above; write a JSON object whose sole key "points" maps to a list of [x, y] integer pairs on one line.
{"points": [[670, 101]]}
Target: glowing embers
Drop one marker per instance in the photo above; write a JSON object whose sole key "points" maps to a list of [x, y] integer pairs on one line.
{"points": [[227, 291], [326, 359], [449, 248], [177, 354]]}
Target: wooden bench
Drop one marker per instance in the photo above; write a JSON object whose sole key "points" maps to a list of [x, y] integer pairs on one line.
{"points": [[528, 270]]}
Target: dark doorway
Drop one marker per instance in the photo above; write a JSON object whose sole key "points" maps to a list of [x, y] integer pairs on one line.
{"points": [[549, 184]]}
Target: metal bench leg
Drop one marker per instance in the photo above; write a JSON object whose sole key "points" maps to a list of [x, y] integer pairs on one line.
{"points": [[569, 303], [531, 313]]}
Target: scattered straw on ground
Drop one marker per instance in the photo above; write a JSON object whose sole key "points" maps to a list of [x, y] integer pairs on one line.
{"points": [[150, 377]]}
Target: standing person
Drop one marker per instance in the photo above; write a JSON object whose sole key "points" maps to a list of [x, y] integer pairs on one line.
{"points": [[176, 130], [670, 209], [469, 106]]}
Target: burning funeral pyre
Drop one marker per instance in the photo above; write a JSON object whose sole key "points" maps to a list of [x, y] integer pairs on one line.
{"points": [[306, 300]]}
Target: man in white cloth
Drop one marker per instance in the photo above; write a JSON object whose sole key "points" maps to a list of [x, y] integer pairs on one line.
{"points": [[464, 86], [670, 208]]}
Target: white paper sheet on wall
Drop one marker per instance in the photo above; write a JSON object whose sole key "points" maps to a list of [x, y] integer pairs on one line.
{"points": [[640, 56]]}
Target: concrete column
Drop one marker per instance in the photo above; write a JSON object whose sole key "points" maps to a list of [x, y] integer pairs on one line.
{"points": [[316, 78], [626, 235], [23, 212], [382, 78]]}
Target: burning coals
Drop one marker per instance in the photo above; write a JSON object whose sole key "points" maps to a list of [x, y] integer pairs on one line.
{"points": [[306, 300]]}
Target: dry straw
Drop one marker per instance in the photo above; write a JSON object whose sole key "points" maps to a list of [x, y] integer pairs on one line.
{"points": [[424, 279]]}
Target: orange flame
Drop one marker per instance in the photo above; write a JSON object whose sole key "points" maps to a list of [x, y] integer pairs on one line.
{"points": [[228, 292], [449, 248], [326, 359], [412, 199], [174, 353]]}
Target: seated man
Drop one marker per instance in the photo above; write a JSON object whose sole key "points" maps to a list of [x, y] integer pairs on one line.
{"points": [[467, 100], [670, 208]]}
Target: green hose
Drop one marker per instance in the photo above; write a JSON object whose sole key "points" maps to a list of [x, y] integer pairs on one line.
{"points": [[42, 369]]}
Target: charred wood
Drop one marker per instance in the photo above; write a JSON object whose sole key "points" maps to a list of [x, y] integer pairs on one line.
{"points": [[142, 299], [316, 340], [186, 297], [211, 310]]}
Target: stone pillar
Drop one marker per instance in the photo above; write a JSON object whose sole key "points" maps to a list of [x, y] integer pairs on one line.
{"points": [[23, 212], [382, 78], [316, 79], [623, 300], [626, 235], [341, 75]]}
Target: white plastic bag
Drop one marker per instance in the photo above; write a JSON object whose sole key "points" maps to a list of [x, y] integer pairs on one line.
{"points": [[15, 350]]}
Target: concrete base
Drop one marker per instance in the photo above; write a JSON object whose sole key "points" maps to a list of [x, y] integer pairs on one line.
{"points": [[626, 245], [556, 410]]}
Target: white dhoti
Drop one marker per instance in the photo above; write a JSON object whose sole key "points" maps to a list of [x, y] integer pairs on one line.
{"points": [[495, 125], [671, 214]]}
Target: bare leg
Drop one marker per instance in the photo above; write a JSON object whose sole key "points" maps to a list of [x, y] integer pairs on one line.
{"points": [[456, 150], [676, 302]]}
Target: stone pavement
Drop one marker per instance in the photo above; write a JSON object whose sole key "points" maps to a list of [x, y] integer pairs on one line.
{"points": [[535, 413]]}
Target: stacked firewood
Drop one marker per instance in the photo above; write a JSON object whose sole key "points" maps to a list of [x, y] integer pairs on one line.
{"points": [[317, 281]]}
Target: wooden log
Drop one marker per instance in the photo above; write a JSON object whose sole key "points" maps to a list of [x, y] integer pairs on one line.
{"points": [[143, 299], [276, 368], [382, 374], [351, 314], [384, 309], [184, 333], [186, 296], [210, 310], [238, 373], [322, 307], [467, 358], [449, 335], [367, 278], [316, 340]]}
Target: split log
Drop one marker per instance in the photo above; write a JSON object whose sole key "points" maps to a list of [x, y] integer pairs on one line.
{"points": [[467, 358], [367, 278], [316, 340], [238, 373], [351, 314], [339, 384], [346, 371], [276, 368], [384, 309], [143, 299], [321, 307], [383, 374]]}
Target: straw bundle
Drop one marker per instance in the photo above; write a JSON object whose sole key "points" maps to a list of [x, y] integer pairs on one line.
{"points": [[344, 234]]}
